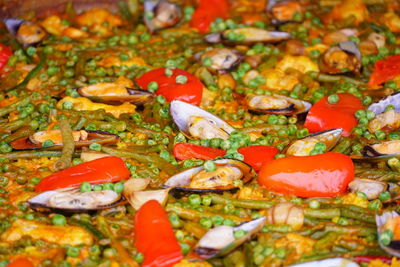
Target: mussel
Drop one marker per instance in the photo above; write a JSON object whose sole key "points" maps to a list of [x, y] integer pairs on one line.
{"points": [[160, 14], [26, 32], [276, 104], [221, 240], [345, 57], [223, 59], [81, 138], [379, 152], [134, 192], [247, 36], [332, 262], [304, 146], [380, 106], [388, 237], [283, 11], [371, 188], [229, 174], [114, 93], [71, 200], [197, 123]]}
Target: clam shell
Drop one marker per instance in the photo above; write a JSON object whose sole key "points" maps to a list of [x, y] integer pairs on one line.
{"points": [[181, 113], [220, 240]]}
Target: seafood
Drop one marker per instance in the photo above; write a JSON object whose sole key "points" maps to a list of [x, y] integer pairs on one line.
{"points": [[370, 188], [286, 213], [160, 14], [283, 11], [247, 36], [345, 57], [136, 196], [276, 104], [388, 236], [26, 32], [333, 262], [223, 59]]}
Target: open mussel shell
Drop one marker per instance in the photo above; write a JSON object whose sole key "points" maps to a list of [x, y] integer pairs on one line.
{"points": [[220, 240], [223, 59], [371, 188], [197, 123], [283, 11], [380, 106], [345, 57], [304, 146], [247, 36], [110, 93], [71, 200], [276, 104], [26, 32], [332, 262], [229, 175], [160, 14], [82, 138], [388, 220], [135, 193], [379, 152]]}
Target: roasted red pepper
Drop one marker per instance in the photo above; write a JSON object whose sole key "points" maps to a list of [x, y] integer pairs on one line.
{"points": [[5, 54], [256, 156], [325, 116], [367, 259], [207, 11], [190, 91], [385, 70], [154, 236], [20, 262], [103, 170], [323, 175], [183, 151]]}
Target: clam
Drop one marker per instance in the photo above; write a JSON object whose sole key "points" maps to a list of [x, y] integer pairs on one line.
{"points": [[345, 57], [229, 174], [371, 188], [114, 93], [276, 104], [283, 11], [26, 32], [81, 138], [160, 14], [221, 240], [332, 262], [247, 36], [197, 123], [304, 146], [223, 59], [71, 200], [389, 239], [380, 106]]}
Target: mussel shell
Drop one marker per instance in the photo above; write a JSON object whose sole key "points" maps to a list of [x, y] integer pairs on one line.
{"points": [[273, 4], [348, 47], [99, 137], [332, 262], [41, 201], [371, 155], [161, 21], [134, 96], [380, 106], [178, 182], [294, 106], [224, 236], [182, 111], [223, 59], [13, 26], [250, 36], [394, 247]]}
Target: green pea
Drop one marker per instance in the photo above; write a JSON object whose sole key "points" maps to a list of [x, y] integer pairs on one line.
{"points": [[108, 186], [375, 204], [314, 204], [206, 200], [73, 252], [384, 196], [239, 233], [119, 187], [152, 86], [94, 250], [194, 200], [85, 187], [35, 180], [59, 220], [386, 237], [95, 146], [109, 253], [217, 220], [207, 62], [205, 222], [185, 248], [168, 72], [333, 99], [380, 134], [21, 180], [139, 257], [210, 166], [97, 187], [181, 79], [360, 114], [175, 220]]}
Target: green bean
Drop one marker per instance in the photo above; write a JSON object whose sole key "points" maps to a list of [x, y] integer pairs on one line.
{"points": [[326, 242], [205, 76], [33, 154], [80, 123], [322, 213], [120, 126], [195, 229], [68, 146], [310, 231], [14, 125], [343, 146], [31, 74], [284, 228], [342, 229], [242, 203], [137, 129], [334, 78], [20, 133], [14, 106], [88, 114], [361, 216], [380, 175], [88, 226], [143, 158], [263, 128], [190, 214]]}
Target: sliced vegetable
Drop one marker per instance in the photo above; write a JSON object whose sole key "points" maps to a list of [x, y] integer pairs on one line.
{"points": [[5, 54], [179, 85], [257, 156], [385, 70], [102, 170], [324, 115], [183, 151], [154, 236], [323, 175], [20, 262], [207, 11]]}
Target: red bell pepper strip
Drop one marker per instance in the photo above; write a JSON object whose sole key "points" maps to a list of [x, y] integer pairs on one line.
{"points": [[183, 151], [207, 11], [368, 259], [191, 91], [104, 170], [323, 175], [5, 54], [154, 236], [384, 70], [20, 262], [256, 156], [325, 116]]}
